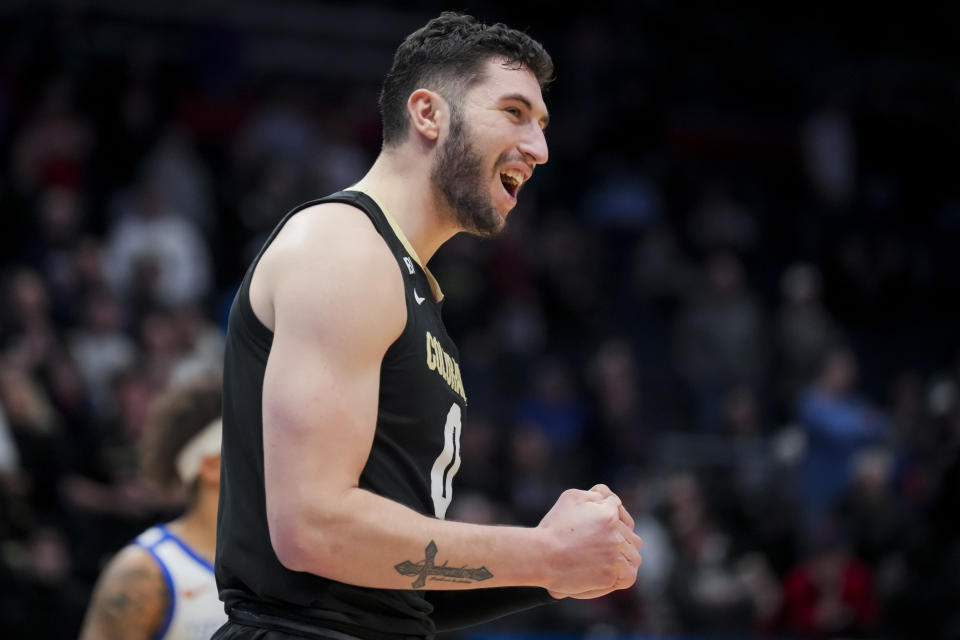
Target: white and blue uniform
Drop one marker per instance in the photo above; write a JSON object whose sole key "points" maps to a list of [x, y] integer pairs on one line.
{"points": [[194, 610]]}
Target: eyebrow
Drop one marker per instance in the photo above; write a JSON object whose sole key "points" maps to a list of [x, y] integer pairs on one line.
{"points": [[519, 97]]}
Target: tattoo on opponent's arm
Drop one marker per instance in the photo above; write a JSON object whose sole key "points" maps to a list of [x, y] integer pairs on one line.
{"points": [[429, 569], [129, 603]]}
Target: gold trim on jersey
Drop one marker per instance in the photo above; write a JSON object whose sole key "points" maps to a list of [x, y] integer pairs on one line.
{"points": [[434, 285]]}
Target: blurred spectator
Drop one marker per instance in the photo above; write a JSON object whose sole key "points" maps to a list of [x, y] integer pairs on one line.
{"points": [[640, 496], [52, 148], [36, 430], [925, 604], [201, 344], [706, 591], [570, 280], [60, 218], [553, 405], [830, 148], [520, 325], [101, 348], [45, 599], [721, 337], [28, 332], [805, 329], [919, 442], [620, 435], [161, 344], [831, 593], [754, 469], [70, 400], [176, 170], [839, 424], [89, 273], [155, 255], [870, 513]]}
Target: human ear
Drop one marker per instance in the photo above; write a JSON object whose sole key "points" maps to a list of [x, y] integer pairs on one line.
{"points": [[427, 110], [210, 469]]}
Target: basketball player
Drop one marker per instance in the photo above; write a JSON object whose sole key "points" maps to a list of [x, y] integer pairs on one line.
{"points": [[162, 586], [343, 396]]}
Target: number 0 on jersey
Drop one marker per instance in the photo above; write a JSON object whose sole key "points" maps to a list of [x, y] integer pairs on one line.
{"points": [[447, 464]]}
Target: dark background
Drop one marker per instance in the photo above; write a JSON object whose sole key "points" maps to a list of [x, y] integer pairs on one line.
{"points": [[730, 294]]}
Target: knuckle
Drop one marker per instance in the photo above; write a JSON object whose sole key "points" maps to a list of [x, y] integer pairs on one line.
{"points": [[629, 580]]}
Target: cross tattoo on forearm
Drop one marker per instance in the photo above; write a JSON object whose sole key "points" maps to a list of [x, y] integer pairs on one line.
{"points": [[428, 568]]}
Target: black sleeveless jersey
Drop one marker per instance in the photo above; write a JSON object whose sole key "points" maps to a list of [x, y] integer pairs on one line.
{"points": [[413, 459]]}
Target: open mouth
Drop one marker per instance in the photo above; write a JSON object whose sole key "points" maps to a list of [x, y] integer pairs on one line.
{"points": [[511, 181]]}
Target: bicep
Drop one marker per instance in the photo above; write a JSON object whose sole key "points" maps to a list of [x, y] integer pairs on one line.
{"points": [[322, 379], [319, 412], [129, 601]]}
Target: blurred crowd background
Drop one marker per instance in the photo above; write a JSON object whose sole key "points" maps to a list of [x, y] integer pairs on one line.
{"points": [[731, 294]]}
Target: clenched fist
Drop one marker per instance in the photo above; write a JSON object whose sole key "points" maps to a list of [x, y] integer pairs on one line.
{"points": [[592, 549]]}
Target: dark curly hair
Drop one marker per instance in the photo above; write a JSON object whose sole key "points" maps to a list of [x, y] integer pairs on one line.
{"points": [[447, 55], [173, 419]]}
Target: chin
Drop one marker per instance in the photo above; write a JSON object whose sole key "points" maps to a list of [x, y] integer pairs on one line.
{"points": [[492, 226]]}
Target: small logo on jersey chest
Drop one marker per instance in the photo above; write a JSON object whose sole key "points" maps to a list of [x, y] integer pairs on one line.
{"points": [[189, 594], [418, 298], [407, 261]]}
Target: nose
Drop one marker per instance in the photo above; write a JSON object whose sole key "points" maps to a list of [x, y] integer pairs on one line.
{"points": [[534, 145]]}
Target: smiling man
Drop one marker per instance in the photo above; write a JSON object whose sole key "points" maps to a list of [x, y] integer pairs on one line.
{"points": [[343, 396]]}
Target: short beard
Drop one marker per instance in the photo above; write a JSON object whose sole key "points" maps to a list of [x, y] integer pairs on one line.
{"points": [[458, 176]]}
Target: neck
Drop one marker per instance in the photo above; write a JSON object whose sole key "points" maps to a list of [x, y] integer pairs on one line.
{"points": [[198, 525], [400, 180]]}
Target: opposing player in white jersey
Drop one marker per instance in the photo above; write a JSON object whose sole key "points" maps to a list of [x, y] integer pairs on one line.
{"points": [[161, 586]]}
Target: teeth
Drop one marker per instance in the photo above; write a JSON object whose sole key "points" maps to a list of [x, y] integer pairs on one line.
{"points": [[513, 175]]}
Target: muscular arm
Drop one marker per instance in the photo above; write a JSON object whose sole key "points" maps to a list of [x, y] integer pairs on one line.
{"points": [[129, 601], [333, 294]]}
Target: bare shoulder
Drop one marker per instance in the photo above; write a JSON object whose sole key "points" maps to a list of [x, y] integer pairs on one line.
{"points": [[130, 599], [326, 259], [324, 222]]}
